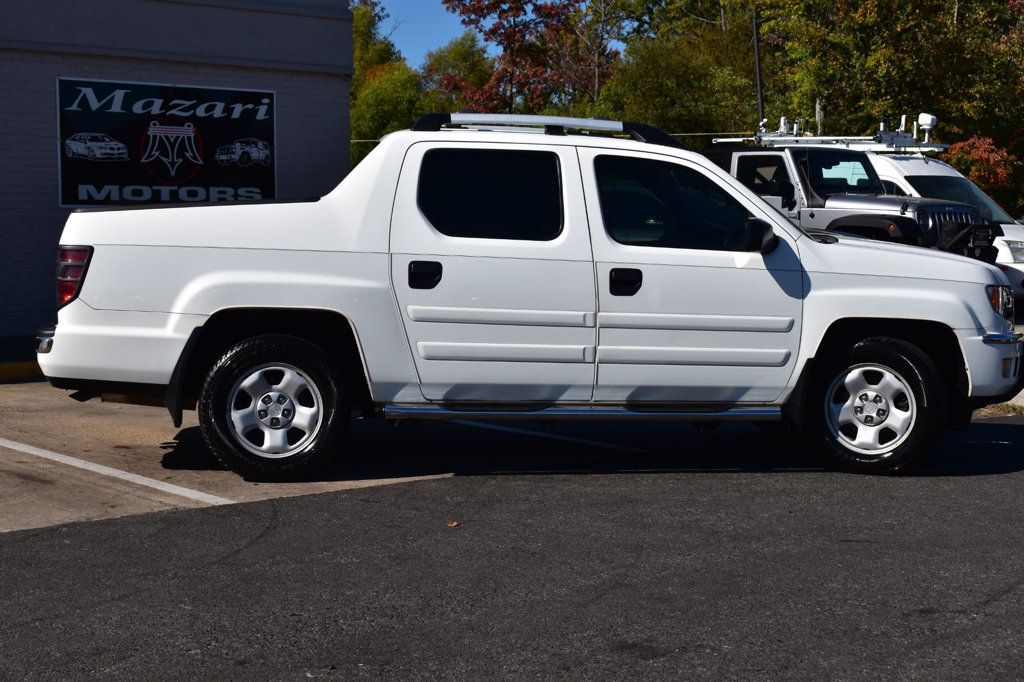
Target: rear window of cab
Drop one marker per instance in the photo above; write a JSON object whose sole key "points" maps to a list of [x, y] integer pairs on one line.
{"points": [[492, 193]]}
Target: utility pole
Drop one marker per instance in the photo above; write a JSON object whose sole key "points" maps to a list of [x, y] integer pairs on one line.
{"points": [[757, 67]]}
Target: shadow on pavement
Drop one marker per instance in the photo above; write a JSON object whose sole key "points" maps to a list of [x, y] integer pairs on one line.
{"points": [[380, 450], [188, 452]]}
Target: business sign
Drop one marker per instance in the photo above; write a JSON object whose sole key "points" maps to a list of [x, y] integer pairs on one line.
{"points": [[149, 143]]}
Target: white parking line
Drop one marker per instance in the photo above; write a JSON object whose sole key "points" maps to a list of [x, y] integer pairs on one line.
{"points": [[550, 436], [115, 473]]}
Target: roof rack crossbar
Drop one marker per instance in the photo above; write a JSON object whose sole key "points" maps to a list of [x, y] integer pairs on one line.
{"points": [[552, 125], [884, 140]]}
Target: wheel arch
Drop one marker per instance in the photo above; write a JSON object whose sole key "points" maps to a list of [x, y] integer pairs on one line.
{"points": [[935, 339], [330, 330]]}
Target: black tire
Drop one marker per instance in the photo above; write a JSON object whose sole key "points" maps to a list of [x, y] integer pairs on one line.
{"points": [[245, 160], [324, 393], [927, 402]]}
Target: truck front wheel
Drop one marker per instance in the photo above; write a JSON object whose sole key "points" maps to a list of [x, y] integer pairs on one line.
{"points": [[274, 406], [877, 408]]}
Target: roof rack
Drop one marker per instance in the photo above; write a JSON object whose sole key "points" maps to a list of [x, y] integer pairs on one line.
{"points": [[551, 125], [883, 141]]}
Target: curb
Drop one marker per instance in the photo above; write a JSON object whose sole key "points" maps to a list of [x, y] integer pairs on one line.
{"points": [[19, 371]]}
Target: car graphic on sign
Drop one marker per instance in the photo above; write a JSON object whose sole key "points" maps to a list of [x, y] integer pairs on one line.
{"points": [[244, 152], [95, 147]]}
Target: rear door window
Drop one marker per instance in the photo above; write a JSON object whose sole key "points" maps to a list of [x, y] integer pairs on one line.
{"points": [[762, 173], [492, 193]]}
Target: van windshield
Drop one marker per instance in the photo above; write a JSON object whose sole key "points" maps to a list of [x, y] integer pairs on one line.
{"points": [[954, 188]]}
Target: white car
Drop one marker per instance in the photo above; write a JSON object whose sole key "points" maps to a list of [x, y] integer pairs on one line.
{"points": [[244, 152], [95, 147], [502, 267], [917, 175]]}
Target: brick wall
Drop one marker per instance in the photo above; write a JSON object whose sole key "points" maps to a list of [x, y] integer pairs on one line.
{"points": [[300, 49]]}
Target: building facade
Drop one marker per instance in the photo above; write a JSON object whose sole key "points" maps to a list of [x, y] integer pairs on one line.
{"points": [[133, 102]]}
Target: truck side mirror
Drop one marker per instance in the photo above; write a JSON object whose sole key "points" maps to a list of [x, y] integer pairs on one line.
{"points": [[759, 237]]}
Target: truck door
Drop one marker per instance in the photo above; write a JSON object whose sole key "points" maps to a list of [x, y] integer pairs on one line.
{"points": [[493, 272], [768, 175], [826, 173], [685, 315]]}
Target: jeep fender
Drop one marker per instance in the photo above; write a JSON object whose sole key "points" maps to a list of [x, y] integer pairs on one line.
{"points": [[901, 229]]}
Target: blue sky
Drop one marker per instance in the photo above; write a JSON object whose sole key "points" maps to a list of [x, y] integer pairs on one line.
{"points": [[420, 26]]}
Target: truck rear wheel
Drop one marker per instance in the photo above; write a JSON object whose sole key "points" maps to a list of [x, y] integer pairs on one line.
{"points": [[878, 408], [274, 406]]}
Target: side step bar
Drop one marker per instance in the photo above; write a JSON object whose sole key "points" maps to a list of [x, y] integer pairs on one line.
{"points": [[581, 412]]}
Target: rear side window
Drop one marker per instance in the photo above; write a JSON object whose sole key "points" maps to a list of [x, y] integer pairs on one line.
{"points": [[892, 188], [492, 193], [762, 173]]}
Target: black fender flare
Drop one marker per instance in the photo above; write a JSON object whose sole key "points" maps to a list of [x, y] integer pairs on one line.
{"points": [[903, 229], [175, 395]]}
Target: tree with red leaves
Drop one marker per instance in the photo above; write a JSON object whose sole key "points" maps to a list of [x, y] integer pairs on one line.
{"points": [[524, 77], [989, 167]]}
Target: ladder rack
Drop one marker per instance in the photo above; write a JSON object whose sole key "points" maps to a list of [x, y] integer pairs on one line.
{"points": [[884, 141]]}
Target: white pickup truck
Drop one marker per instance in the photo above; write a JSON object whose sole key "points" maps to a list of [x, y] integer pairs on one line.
{"points": [[503, 267]]}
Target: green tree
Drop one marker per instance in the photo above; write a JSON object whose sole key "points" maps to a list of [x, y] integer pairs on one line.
{"points": [[370, 48], [454, 74], [389, 100], [673, 83], [384, 92], [874, 60]]}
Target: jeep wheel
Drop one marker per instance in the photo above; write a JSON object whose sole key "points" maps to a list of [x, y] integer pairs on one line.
{"points": [[274, 406], [878, 408], [245, 159]]}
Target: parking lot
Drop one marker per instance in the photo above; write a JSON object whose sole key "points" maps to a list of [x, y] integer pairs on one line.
{"points": [[476, 550]]}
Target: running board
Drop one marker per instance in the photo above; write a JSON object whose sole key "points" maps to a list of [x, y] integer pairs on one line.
{"points": [[581, 412]]}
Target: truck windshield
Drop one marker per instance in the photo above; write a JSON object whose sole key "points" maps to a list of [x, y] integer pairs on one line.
{"points": [[841, 172], [953, 188]]}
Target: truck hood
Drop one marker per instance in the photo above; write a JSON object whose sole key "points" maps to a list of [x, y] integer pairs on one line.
{"points": [[886, 202], [856, 256]]}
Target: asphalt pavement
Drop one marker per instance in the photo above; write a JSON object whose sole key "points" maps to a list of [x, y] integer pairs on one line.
{"points": [[576, 551]]}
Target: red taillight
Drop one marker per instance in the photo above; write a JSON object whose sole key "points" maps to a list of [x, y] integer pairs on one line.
{"points": [[72, 262]]}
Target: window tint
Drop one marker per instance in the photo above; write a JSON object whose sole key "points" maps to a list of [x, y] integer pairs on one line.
{"points": [[841, 172], [850, 171], [956, 188], [492, 193], [656, 203], [762, 173], [893, 189]]}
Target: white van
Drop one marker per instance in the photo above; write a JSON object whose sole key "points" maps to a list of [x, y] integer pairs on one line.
{"points": [[917, 175]]}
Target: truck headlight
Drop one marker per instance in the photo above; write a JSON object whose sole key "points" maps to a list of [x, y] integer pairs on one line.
{"points": [[1016, 250], [1001, 298]]}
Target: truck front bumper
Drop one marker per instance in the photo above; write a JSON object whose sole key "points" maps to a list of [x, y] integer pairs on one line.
{"points": [[993, 366]]}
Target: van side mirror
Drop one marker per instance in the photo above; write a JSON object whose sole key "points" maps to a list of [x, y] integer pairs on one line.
{"points": [[759, 237]]}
